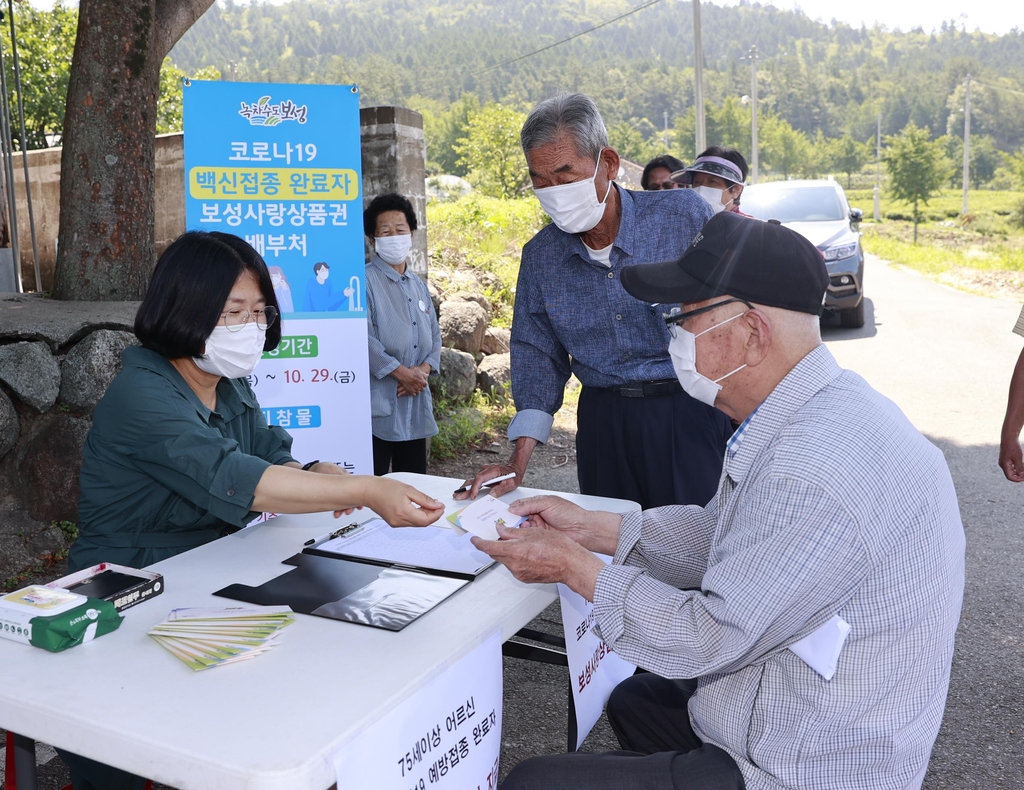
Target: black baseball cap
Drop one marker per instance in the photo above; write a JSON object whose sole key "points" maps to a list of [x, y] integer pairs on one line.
{"points": [[762, 262]]}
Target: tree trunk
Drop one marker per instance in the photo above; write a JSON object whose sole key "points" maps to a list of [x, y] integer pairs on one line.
{"points": [[106, 243], [916, 219]]}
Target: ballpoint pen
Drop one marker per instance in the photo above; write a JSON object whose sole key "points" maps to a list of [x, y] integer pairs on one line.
{"points": [[490, 482], [332, 535]]}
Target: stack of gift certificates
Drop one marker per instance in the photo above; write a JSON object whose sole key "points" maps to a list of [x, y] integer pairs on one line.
{"points": [[205, 638]]}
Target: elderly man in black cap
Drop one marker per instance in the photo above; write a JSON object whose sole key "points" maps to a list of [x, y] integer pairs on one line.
{"points": [[801, 624]]}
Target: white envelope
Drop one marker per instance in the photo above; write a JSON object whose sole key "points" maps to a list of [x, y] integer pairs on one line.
{"points": [[820, 649], [481, 518]]}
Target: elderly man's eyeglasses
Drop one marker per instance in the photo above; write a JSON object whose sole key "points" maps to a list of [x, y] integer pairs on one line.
{"points": [[676, 317], [234, 320]]}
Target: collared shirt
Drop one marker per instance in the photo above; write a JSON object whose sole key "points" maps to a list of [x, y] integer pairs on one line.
{"points": [[572, 314], [403, 330], [1018, 328], [833, 504], [733, 445], [162, 473]]}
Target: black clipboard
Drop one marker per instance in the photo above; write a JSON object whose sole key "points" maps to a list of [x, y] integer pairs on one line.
{"points": [[410, 544], [374, 591]]}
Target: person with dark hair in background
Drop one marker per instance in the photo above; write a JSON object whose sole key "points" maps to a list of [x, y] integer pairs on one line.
{"points": [[179, 453], [658, 173], [717, 175], [404, 338]]}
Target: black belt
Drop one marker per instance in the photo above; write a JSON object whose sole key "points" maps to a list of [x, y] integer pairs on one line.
{"points": [[644, 389]]}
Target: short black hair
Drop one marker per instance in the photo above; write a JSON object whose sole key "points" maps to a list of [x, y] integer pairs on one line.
{"points": [[191, 283], [320, 265], [667, 161], [731, 154], [382, 203]]}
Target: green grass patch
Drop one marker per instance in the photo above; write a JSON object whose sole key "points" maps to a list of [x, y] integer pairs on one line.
{"points": [[941, 248], [482, 237], [462, 425]]}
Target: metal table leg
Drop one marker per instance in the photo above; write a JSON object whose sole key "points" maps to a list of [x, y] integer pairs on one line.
{"points": [[24, 762]]}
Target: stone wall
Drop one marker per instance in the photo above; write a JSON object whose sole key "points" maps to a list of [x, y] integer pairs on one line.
{"points": [[44, 176], [56, 360]]}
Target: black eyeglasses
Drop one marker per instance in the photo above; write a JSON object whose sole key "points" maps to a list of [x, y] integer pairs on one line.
{"points": [[676, 317], [234, 320]]}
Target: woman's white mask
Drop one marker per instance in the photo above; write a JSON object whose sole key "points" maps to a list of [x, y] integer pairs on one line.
{"points": [[233, 354]]}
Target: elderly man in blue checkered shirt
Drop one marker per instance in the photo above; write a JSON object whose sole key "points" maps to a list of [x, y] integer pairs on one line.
{"points": [[801, 625], [639, 436]]}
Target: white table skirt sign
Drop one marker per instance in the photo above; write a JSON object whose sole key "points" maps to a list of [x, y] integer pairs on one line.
{"points": [[447, 735], [594, 669]]}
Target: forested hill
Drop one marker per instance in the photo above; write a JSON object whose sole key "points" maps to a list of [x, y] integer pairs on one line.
{"points": [[829, 78]]}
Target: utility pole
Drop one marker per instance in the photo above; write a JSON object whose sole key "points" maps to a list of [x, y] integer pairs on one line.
{"points": [[878, 170], [698, 79], [967, 143], [752, 56]]}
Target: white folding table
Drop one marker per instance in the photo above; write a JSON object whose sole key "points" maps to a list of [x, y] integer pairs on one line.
{"points": [[271, 723]]}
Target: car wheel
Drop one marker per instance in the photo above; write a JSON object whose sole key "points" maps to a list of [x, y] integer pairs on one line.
{"points": [[852, 318]]}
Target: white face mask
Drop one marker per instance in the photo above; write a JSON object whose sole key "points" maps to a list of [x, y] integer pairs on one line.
{"points": [[574, 207], [683, 350], [393, 249], [233, 355], [714, 197]]}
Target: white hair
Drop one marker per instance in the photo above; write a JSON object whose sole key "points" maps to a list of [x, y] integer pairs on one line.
{"points": [[571, 113]]}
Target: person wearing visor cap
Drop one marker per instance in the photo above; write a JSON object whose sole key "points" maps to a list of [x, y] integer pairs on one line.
{"points": [[798, 630], [717, 175]]}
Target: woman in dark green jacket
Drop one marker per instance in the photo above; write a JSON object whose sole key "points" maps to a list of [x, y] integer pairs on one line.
{"points": [[179, 453]]}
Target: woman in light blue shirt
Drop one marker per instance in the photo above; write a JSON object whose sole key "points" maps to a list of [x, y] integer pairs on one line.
{"points": [[404, 338]]}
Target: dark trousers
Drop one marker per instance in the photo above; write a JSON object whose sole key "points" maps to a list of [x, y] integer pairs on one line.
{"points": [[88, 774], [661, 751], [657, 450], [410, 456]]}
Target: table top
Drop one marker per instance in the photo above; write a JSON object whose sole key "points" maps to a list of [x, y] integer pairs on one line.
{"points": [[271, 723]]}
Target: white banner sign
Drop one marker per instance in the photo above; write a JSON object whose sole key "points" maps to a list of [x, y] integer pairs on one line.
{"points": [[446, 736], [317, 378], [594, 670]]}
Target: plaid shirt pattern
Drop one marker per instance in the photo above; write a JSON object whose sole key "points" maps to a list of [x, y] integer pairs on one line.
{"points": [[833, 503]]}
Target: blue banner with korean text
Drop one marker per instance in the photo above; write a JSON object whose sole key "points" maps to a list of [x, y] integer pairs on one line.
{"points": [[280, 166]]}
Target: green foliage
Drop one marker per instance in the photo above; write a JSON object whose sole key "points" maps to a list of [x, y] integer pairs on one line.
{"points": [[916, 167], [491, 153], [849, 156], [835, 78], [784, 149], [1017, 217], [485, 236], [462, 425], [46, 41], [627, 138], [443, 129], [169, 104], [68, 528]]}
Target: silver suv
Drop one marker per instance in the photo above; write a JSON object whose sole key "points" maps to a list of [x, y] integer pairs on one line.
{"points": [[818, 211]]}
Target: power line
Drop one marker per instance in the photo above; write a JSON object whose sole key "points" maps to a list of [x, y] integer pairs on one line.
{"points": [[574, 35], [994, 88]]}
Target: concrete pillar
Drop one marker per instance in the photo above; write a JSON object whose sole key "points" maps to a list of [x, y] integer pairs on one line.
{"points": [[394, 160]]}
